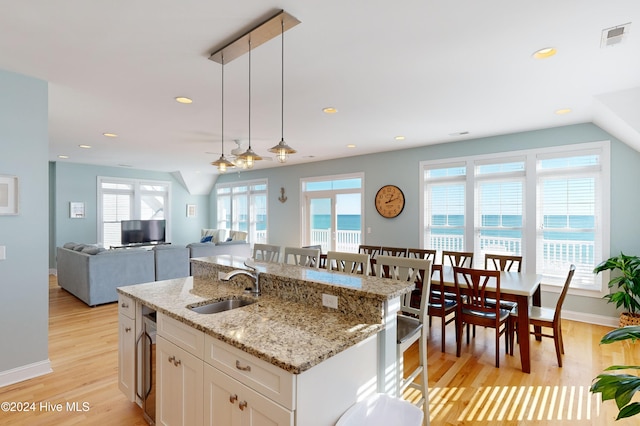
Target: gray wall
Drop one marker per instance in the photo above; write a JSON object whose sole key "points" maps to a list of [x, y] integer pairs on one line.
{"points": [[78, 182], [24, 283], [401, 168]]}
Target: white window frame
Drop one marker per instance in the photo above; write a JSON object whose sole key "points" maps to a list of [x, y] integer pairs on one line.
{"points": [[530, 221], [251, 238], [135, 207]]}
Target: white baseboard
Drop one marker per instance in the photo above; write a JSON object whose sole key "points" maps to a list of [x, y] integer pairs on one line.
{"points": [[53, 272], [25, 372], [591, 318]]}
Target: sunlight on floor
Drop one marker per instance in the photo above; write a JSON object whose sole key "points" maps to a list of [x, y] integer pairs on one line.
{"points": [[512, 403]]}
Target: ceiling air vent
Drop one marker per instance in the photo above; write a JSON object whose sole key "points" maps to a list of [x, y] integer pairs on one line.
{"points": [[614, 35]]}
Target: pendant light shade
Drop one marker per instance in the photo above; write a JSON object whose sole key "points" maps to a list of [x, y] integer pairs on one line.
{"points": [[222, 163], [249, 156], [282, 150]]}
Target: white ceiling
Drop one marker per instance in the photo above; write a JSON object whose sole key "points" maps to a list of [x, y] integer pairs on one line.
{"points": [[424, 69]]}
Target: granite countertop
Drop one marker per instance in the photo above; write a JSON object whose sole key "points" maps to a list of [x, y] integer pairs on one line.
{"points": [[291, 335]]}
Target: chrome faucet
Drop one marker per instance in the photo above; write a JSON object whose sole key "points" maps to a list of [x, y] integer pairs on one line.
{"points": [[255, 275]]}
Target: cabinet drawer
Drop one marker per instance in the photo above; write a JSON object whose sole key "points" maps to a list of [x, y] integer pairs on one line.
{"points": [[126, 306], [265, 378], [182, 335]]}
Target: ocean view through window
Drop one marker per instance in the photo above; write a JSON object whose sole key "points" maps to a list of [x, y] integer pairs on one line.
{"points": [[548, 206]]}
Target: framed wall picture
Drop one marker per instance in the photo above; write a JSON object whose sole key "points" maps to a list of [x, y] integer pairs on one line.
{"points": [[191, 210], [8, 195], [76, 210]]}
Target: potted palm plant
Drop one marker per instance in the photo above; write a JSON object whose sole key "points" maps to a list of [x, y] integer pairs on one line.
{"points": [[627, 283], [620, 387]]}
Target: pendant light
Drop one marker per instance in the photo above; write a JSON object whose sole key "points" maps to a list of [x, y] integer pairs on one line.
{"points": [[222, 163], [249, 156], [282, 150]]}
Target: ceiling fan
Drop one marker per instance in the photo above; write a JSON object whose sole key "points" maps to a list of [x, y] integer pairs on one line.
{"points": [[239, 149]]}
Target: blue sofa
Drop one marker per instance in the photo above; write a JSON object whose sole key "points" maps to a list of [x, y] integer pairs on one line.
{"points": [[92, 274]]}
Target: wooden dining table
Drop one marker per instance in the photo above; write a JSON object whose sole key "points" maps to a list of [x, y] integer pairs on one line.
{"points": [[517, 287]]}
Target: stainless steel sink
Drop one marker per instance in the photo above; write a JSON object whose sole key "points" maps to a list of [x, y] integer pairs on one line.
{"points": [[220, 305]]}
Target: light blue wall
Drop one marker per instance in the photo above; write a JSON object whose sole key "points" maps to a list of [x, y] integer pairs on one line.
{"points": [[24, 284], [402, 168], [78, 182]]}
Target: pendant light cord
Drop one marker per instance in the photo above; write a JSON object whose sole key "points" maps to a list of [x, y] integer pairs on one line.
{"points": [[282, 83], [249, 93], [222, 106]]}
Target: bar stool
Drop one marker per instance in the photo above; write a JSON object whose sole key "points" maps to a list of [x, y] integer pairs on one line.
{"points": [[410, 320]]}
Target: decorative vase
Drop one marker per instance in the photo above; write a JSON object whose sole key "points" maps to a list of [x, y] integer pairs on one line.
{"points": [[627, 318]]}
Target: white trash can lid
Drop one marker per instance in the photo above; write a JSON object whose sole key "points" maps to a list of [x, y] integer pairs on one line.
{"points": [[382, 410]]}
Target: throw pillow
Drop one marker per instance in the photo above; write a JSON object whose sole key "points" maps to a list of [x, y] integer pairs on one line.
{"points": [[206, 239], [92, 250], [70, 246]]}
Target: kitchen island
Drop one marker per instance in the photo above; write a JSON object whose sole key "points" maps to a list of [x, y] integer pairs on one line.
{"points": [[320, 360]]}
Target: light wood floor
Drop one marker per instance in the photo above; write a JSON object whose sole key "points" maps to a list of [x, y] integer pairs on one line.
{"points": [[83, 344]]}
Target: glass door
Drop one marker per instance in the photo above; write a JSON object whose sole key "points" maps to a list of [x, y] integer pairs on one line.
{"points": [[321, 222], [335, 221]]}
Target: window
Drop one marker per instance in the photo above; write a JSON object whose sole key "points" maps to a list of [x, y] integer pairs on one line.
{"points": [[126, 199], [499, 207], [445, 207], [332, 212], [242, 206], [547, 205]]}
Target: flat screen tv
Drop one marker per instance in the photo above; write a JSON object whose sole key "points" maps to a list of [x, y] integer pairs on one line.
{"points": [[142, 231]]}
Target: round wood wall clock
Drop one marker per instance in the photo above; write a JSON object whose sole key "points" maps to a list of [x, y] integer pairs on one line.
{"points": [[389, 201]]}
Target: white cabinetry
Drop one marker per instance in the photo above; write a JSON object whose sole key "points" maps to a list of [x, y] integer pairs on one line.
{"points": [[179, 373], [179, 386], [126, 346]]}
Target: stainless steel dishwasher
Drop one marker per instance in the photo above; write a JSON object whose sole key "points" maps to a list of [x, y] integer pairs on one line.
{"points": [[146, 366]]}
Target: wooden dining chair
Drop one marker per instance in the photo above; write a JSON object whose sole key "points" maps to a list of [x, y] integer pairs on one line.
{"points": [[462, 259], [307, 257], [422, 254], [266, 253], [372, 251], [440, 306], [471, 287], [410, 321], [350, 263], [545, 317], [393, 251], [503, 262]]}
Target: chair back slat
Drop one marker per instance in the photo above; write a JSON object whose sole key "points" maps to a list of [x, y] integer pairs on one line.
{"points": [[422, 254], [472, 283], [306, 257], [502, 262], [407, 270], [266, 253], [462, 259], [350, 263], [393, 251], [563, 293]]}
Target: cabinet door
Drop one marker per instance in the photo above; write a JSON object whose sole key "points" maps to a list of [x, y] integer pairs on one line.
{"points": [[126, 356], [179, 386], [229, 402]]}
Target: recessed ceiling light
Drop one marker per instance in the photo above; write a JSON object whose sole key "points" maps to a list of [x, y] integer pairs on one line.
{"points": [[351, 145], [110, 135], [183, 100], [329, 110], [399, 138], [63, 156], [545, 53], [563, 111], [85, 146]]}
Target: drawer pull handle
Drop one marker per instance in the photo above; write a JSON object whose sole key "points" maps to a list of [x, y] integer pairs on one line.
{"points": [[125, 305], [177, 362], [233, 398], [172, 359], [127, 329], [242, 405], [239, 367]]}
